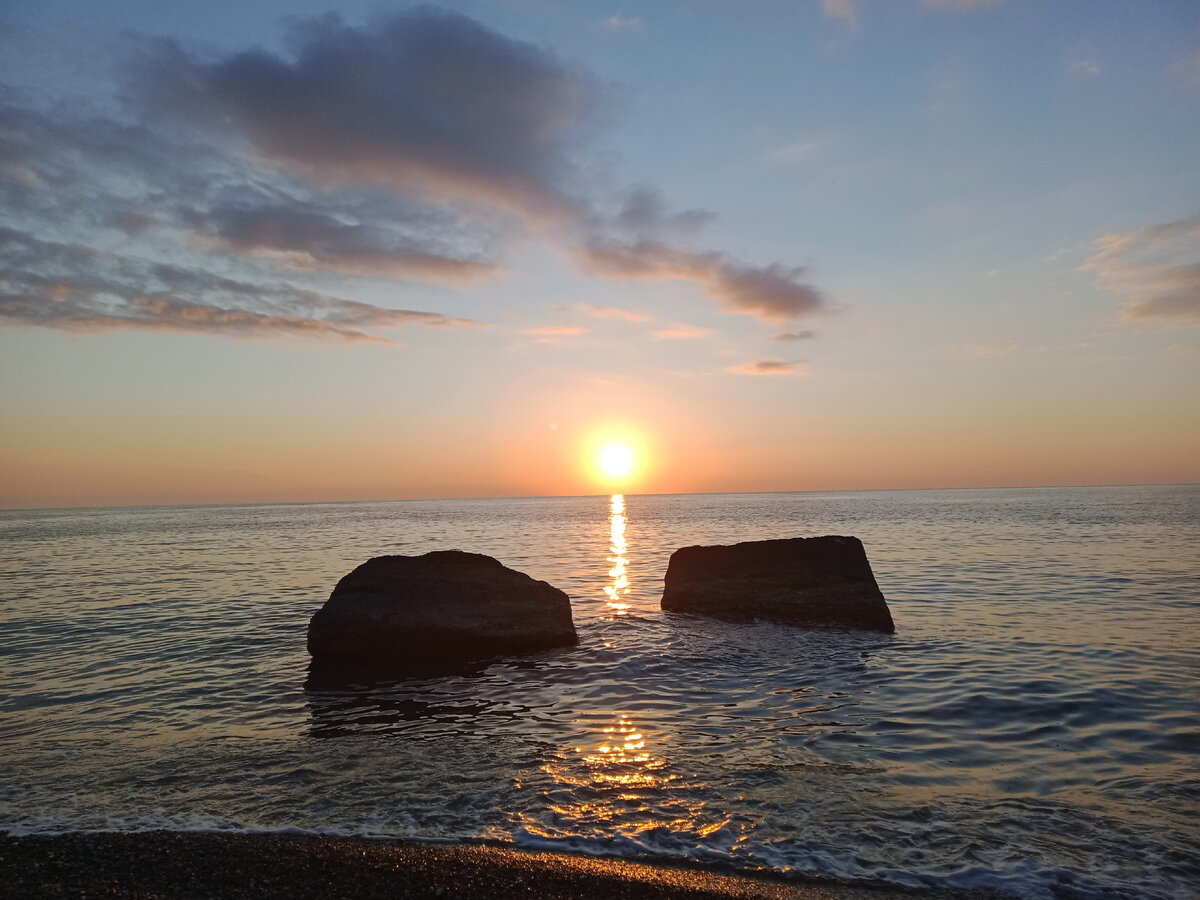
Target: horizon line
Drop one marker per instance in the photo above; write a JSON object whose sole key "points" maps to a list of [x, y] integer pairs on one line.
{"points": [[341, 502]]}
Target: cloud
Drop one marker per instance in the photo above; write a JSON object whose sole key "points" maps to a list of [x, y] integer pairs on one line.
{"points": [[91, 174], [841, 9], [1185, 70], [425, 100], [948, 92], [988, 351], [302, 237], [768, 367], [556, 330], [794, 335], [613, 312], [418, 146], [77, 287], [772, 293], [1082, 62], [1156, 270], [644, 212], [622, 22], [683, 333], [960, 4], [800, 151]]}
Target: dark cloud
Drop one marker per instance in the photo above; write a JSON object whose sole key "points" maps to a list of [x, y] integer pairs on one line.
{"points": [[773, 293], [1156, 269], [794, 335], [76, 287], [424, 100], [769, 367]]}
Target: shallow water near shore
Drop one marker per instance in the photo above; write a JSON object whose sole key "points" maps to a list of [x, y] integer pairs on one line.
{"points": [[1031, 726]]}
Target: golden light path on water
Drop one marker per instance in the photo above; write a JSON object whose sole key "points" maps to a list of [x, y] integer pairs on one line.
{"points": [[619, 573]]}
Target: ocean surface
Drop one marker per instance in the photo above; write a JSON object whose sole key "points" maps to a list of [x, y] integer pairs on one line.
{"points": [[1032, 726]]}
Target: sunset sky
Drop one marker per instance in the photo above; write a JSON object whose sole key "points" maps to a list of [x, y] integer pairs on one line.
{"points": [[274, 252]]}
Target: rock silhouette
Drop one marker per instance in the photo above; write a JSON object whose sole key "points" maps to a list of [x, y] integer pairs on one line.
{"points": [[820, 581], [442, 607]]}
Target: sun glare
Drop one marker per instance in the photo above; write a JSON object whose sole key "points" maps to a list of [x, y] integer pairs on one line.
{"points": [[616, 460]]}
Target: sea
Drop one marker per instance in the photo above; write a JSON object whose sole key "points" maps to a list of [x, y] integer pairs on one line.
{"points": [[1032, 727]]}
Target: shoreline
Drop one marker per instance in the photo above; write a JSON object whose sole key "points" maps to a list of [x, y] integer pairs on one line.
{"points": [[195, 864]]}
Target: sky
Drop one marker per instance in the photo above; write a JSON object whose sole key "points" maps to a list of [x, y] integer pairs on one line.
{"points": [[287, 251]]}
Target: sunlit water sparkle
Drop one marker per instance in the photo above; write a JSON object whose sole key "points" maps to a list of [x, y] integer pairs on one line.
{"points": [[1033, 725]]}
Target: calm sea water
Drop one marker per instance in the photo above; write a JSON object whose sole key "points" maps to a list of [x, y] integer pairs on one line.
{"points": [[1032, 726]]}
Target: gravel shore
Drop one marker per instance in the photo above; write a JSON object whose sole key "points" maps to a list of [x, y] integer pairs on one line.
{"points": [[168, 864]]}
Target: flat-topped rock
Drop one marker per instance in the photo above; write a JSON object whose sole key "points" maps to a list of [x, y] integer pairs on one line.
{"points": [[819, 581], [444, 606]]}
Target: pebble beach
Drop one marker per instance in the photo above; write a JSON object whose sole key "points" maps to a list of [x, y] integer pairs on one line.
{"points": [[197, 865]]}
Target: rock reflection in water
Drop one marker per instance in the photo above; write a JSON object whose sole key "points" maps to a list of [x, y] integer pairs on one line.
{"points": [[619, 572], [342, 702], [378, 709]]}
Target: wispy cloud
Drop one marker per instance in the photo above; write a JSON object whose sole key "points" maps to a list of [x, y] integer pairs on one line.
{"points": [[1084, 68], [1155, 269], [948, 92], [621, 22], [844, 10], [1082, 62], [644, 212], [614, 313], [988, 351], [804, 335], [799, 151], [1185, 70], [299, 236], [556, 330], [683, 333], [77, 287], [768, 367], [960, 4]]}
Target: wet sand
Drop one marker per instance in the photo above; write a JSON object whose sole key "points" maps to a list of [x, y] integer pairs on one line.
{"points": [[168, 864]]}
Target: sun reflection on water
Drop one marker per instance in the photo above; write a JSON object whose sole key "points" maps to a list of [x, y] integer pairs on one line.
{"points": [[618, 787], [619, 573], [623, 760], [619, 777]]}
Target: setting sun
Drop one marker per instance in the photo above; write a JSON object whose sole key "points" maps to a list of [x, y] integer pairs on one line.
{"points": [[616, 460]]}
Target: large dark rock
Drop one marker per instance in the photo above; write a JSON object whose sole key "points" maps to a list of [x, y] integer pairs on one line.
{"points": [[821, 581], [442, 607]]}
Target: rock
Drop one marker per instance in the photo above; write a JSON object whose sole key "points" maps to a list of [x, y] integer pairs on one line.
{"points": [[443, 607], [820, 581]]}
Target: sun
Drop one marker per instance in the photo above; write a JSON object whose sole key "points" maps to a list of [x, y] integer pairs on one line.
{"points": [[616, 460]]}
